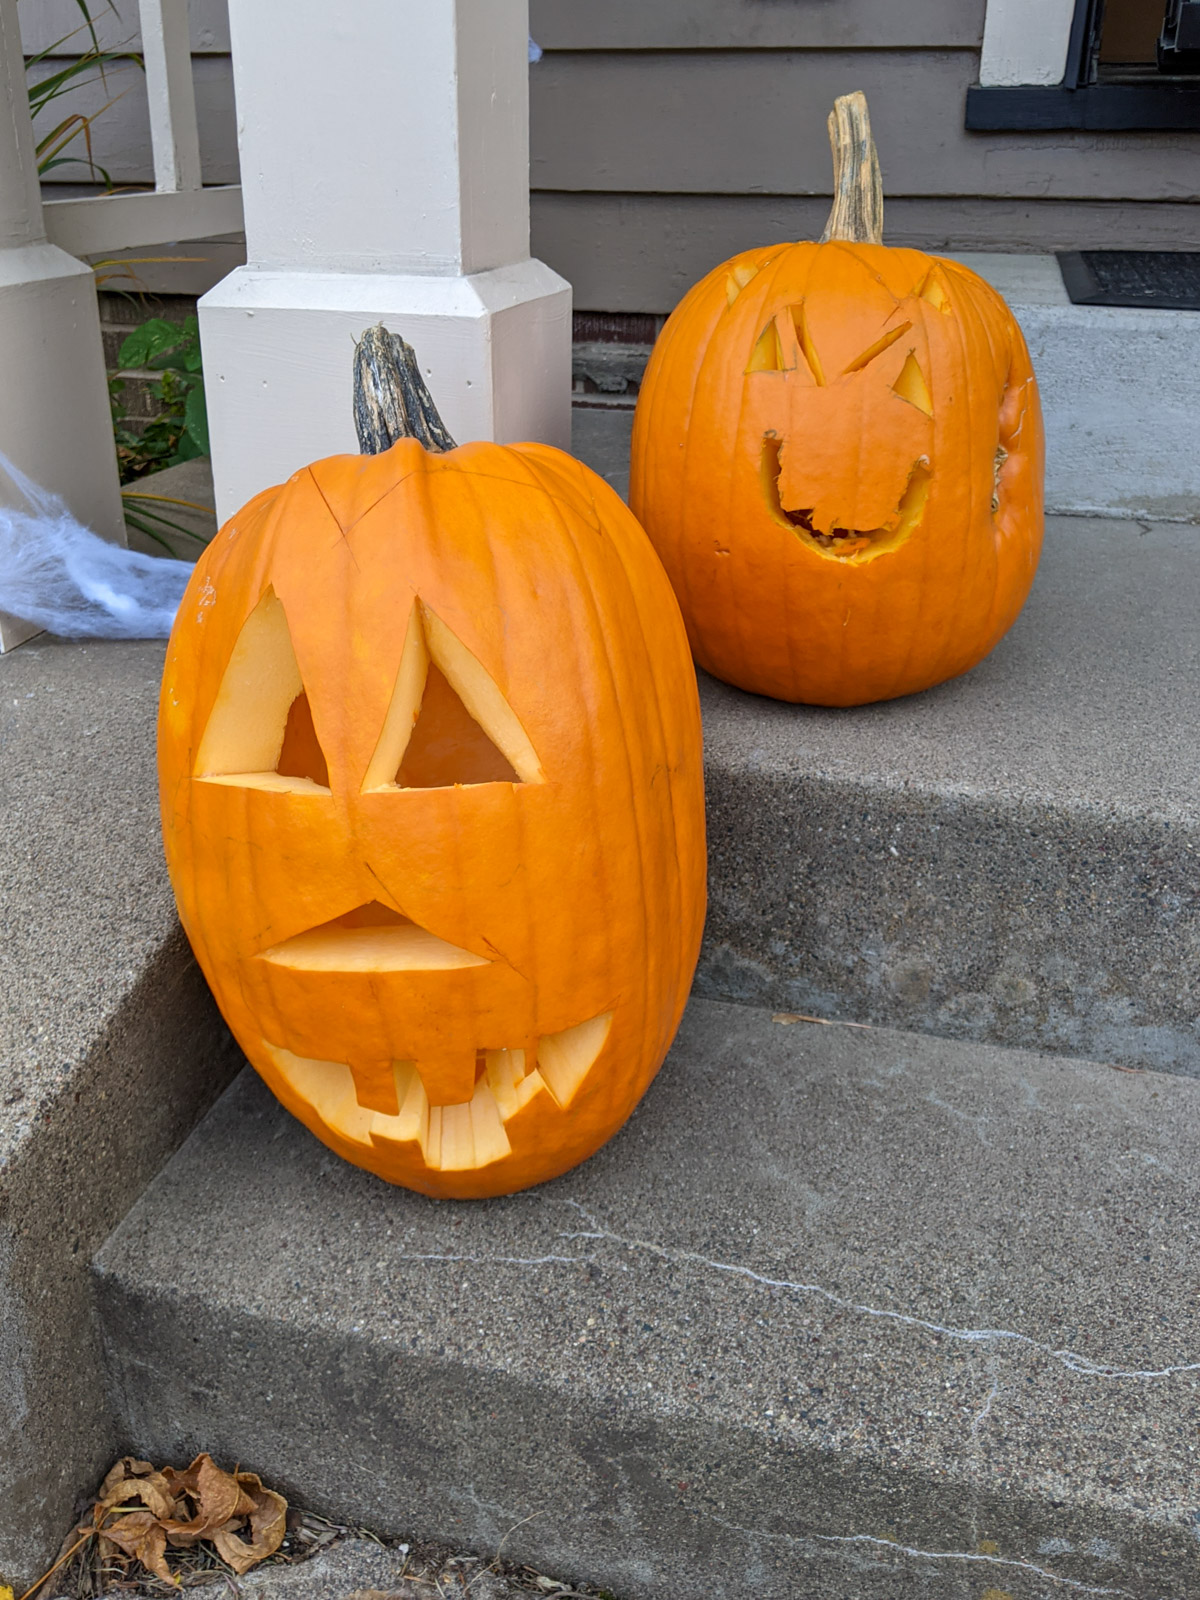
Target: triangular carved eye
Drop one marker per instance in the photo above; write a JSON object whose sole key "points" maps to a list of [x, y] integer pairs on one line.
{"points": [[448, 722], [260, 732], [911, 386], [786, 345]]}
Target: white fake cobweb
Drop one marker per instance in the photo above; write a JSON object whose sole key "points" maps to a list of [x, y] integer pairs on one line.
{"points": [[58, 575]]}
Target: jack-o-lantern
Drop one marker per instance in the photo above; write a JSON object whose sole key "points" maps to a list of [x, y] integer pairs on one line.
{"points": [[838, 454], [430, 771]]}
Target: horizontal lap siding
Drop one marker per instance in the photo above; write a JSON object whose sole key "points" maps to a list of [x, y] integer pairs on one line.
{"points": [[651, 165], [642, 252], [753, 122], [755, 24]]}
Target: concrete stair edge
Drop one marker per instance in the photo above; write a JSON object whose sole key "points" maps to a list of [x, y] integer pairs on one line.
{"points": [[845, 1326]]}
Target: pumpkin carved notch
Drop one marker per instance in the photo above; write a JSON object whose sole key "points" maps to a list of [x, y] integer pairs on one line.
{"points": [[432, 798]]}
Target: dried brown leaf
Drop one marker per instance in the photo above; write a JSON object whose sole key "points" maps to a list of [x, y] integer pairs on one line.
{"points": [[139, 1535], [267, 1526], [130, 1480], [266, 1533], [207, 1497]]}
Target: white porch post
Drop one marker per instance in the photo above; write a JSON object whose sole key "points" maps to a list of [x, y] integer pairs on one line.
{"points": [[55, 423], [385, 175]]}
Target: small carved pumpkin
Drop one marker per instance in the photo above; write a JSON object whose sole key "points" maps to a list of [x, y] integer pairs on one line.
{"points": [[838, 454], [430, 769]]}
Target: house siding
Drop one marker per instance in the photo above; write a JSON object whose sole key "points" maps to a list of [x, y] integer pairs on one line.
{"points": [[668, 134]]}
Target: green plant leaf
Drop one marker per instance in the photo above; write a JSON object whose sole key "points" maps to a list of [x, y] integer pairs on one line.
{"points": [[150, 340], [188, 450], [195, 419]]}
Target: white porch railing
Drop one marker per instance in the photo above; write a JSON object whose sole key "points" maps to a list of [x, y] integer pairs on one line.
{"points": [[178, 207]]}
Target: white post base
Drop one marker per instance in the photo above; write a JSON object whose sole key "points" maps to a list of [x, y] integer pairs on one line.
{"points": [[55, 424], [279, 346]]}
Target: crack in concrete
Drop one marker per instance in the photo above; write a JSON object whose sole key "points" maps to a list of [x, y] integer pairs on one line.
{"points": [[985, 1409], [968, 1556], [974, 1556], [1072, 1360], [506, 1261]]}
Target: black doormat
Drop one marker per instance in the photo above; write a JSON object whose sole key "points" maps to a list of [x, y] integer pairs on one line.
{"points": [[1164, 280]]}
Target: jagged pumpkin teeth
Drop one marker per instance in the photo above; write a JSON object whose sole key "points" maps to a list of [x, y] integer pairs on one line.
{"points": [[430, 769]]}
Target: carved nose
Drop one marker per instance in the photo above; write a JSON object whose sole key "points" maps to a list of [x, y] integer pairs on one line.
{"points": [[371, 938]]}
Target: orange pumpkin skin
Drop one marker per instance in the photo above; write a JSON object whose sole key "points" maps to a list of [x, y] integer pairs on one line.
{"points": [[562, 902], [885, 399]]}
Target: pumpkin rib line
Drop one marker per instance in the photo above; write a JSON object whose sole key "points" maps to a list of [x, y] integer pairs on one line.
{"points": [[676, 887], [531, 922], [586, 589]]}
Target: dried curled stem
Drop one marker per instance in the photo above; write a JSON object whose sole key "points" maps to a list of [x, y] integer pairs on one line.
{"points": [[857, 214], [391, 400]]}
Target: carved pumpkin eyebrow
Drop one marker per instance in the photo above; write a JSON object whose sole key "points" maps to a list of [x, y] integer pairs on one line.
{"points": [[877, 349]]}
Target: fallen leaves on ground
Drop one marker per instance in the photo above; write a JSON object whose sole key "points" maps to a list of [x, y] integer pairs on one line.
{"points": [[142, 1511]]}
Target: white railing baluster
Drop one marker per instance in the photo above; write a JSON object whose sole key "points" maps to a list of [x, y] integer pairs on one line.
{"points": [[174, 136]]}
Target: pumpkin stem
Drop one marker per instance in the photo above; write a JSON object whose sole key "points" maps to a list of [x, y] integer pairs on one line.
{"points": [[857, 215], [390, 398]]}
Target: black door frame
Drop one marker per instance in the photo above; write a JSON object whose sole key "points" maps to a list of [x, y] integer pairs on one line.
{"points": [[1079, 101]]}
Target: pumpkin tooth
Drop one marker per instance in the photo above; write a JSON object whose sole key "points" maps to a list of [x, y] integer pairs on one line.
{"points": [[566, 1058]]}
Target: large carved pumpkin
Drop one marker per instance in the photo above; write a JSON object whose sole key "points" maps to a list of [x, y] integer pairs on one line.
{"points": [[838, 454], [430, 767]]}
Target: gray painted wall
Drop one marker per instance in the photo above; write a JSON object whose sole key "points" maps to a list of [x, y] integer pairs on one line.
{"points": [[667, 134]]}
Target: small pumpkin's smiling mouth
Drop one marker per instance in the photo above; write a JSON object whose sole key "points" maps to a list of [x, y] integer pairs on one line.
{"points": [[847, 544]]}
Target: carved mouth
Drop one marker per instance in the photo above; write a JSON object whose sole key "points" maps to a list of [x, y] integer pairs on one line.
{"points": [[458, 1137], [847, 544]]}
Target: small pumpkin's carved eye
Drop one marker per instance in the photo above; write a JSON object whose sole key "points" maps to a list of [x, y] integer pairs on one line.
{"points": [[785, 345], [767, 355], [260, 731], [448, 722], [911, 386]]}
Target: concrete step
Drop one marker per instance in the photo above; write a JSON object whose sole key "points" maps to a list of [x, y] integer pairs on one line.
{"points": [[1014, 856], [841, 1311], [110, 1048]]}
